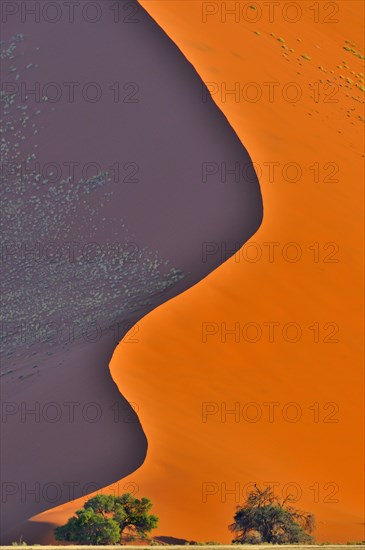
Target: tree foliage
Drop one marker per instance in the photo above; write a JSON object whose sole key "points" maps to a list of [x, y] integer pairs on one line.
{"points": [[106, 519], [264, 518]]}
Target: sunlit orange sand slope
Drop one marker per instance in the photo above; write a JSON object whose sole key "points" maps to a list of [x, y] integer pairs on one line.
{"points": [[291, 372]]}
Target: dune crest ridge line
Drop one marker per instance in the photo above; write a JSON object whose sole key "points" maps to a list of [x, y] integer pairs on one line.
{"points": [[306, 152]]}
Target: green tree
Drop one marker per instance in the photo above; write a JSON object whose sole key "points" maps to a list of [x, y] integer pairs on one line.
{"points": [[89, 527], [266, 518], [105, 519], [133, 515]]}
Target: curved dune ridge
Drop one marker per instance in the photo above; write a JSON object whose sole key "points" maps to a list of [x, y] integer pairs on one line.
{"points": [[198, 468], [88, 252], [196, 471]]}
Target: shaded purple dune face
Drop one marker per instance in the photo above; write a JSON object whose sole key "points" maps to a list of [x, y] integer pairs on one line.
{"points": [[122, 186]]}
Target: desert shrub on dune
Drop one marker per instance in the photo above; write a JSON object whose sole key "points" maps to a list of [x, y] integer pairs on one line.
{"points": [[106, 519], [264, 518]]}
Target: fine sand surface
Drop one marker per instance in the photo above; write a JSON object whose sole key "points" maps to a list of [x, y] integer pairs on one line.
{"points": [[169, 372]]}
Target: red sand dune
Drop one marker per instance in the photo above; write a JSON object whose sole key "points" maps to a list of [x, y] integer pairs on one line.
{"points": [[169, 372]]}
